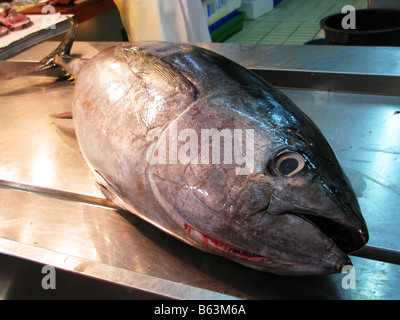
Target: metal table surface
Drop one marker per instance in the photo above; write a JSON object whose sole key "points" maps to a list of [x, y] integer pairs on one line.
{"points": [[52, 213]]}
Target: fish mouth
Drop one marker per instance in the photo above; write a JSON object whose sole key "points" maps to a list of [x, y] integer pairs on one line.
{"points": [[327, 257], [208, 242], [232, 251], [348, 238]]}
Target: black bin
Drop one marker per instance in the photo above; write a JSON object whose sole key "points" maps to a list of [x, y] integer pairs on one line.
{"points": [[374, 27]]}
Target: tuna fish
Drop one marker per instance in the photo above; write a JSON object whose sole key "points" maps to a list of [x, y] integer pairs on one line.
{"points": [[212, 154]]}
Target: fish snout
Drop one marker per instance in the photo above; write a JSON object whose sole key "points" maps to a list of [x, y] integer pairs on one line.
{"points": [[327, 214], [341, 220], [345, 223]]}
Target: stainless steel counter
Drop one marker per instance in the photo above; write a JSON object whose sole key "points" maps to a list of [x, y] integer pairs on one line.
{"points": [[52, 213]]}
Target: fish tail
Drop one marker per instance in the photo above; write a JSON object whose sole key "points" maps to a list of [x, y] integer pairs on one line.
{"points": [[57, 58]]}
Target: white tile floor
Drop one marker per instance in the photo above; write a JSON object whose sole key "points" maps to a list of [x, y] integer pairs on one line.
{"points": [[291, 22]]}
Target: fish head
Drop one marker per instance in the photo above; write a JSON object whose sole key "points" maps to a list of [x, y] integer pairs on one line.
{"points": [[312, 202], [293, 212], [311, 215], [309, 183]]}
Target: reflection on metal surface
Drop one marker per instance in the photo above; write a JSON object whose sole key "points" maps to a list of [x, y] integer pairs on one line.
{"points": [[332, 81], [155, 287], [42, 170], [118, 247], [75, 228]]}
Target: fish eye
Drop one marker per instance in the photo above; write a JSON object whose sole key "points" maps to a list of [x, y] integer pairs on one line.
{"points": [[290, 163]]}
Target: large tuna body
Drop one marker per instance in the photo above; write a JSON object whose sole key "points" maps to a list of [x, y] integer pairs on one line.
{"points": [[210, 153]]}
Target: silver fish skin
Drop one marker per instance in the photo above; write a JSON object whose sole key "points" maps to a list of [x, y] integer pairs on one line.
{"points": [[294, 212]]}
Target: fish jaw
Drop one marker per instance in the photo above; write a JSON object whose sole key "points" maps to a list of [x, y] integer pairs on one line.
{"points": [[317, 226], [308, 227], [339, 219], [309, 252]]}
